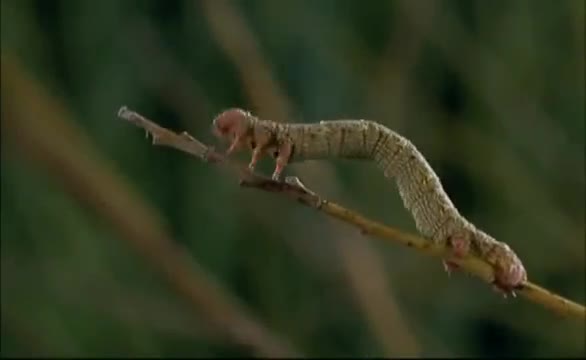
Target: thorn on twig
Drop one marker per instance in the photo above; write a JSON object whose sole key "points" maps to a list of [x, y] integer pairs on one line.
{"points": [[295, 181], [186, 135]]}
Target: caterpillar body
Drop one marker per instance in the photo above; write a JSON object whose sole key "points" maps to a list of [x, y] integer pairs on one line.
{"points": [[421, 191]]}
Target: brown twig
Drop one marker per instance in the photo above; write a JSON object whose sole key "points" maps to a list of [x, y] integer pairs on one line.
{"points": [[295, 190]]}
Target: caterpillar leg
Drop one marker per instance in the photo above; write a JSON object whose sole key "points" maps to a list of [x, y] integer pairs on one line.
{"points": [[460, 247], [504, 288], [238, 142], [509, 272], [282, 158], [257, 154], [449, 266], [258, 151]]}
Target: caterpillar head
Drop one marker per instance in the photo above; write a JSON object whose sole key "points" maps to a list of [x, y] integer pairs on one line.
{"points": [[231, 124]]}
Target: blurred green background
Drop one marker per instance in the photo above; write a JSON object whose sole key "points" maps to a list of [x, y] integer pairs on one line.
{"points": [[113, 247]]}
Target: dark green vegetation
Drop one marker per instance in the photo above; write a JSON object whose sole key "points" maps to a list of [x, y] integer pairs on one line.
{"points": [[492, 92]]}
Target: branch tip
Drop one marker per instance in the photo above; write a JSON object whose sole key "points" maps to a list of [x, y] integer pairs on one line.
{"points": [[123, 112]]}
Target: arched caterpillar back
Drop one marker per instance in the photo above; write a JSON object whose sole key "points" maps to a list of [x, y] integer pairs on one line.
{"points": [[422, 193]]}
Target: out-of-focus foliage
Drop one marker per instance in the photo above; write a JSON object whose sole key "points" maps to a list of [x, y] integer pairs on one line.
{"points": [[492, 92]]}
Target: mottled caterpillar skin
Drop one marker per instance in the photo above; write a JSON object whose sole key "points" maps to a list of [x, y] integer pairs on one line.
{"points": [[422, 193]]}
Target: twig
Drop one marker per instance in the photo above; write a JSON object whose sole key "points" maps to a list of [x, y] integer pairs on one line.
{"points": [[37, 128], [295, 190]]}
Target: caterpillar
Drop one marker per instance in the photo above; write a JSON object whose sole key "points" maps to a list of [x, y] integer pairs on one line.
{"points": [[421, 191]]}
